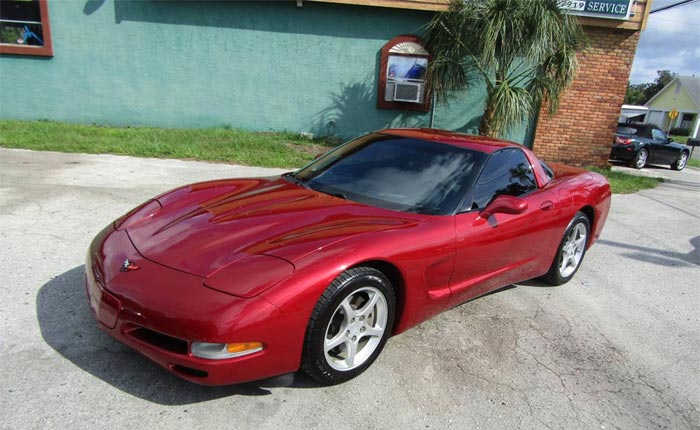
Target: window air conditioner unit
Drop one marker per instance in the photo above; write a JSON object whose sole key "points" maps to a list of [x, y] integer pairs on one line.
{"points": [[411, 92]]}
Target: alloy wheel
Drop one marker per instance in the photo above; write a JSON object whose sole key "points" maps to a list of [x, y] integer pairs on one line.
{"points": [[572, 250], [682, 160], [356, 329], [642, 159]]}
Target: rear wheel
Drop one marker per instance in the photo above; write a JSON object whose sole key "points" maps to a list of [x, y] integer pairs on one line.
{"points": [[680, 163], [640, 160], [349, 326], [571, 251]]}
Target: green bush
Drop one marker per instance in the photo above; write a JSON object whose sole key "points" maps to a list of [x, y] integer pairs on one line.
{"points": [[679, 131]]}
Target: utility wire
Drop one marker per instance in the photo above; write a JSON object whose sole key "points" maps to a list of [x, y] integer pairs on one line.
{"points": [[671, 6]]}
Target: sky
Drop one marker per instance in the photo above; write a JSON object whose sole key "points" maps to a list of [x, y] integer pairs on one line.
{"points": [[671, 41]]}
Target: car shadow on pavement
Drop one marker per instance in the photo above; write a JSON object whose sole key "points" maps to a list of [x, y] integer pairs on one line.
{"points": [[647, 167], [534, 282], [659, 256], [682, 185], [68, 327]]}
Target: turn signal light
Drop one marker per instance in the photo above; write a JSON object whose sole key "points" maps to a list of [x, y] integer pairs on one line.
{"points": [[220, 351], [243, 346]]}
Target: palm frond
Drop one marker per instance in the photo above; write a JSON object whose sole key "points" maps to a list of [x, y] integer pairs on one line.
{"points": [[503, 41], [509, 107]]}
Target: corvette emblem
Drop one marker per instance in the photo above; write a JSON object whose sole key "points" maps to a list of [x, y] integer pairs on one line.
{"points": [[128, 266]]}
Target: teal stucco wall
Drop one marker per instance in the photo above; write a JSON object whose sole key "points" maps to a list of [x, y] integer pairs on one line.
{"points": [[268, 66]]}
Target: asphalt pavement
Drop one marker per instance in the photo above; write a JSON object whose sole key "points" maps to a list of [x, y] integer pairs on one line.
{"points": [[617, 347]]}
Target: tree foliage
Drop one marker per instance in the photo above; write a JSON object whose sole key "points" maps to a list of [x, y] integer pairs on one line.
{"points": [[638, 94], [523, 50]]}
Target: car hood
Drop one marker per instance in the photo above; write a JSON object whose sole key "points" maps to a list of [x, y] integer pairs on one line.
{"points": [[204, 227]]}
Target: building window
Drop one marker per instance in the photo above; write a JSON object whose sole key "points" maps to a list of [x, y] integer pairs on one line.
{"points": [[402, 75], [687, 120], [24, 28]]}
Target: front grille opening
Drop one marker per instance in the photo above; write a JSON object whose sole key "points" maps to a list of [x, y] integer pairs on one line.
{"points": [[188, 371], [159, 340]]}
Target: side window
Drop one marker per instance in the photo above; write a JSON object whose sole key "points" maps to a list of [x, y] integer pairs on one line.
{"points": [[657, 134], [547, 170], [506, 172]]}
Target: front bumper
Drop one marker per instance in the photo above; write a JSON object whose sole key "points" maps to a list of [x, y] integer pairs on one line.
{"points": [[160, 311]]}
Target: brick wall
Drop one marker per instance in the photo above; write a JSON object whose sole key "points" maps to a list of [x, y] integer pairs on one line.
{"points": [[581, 131]]}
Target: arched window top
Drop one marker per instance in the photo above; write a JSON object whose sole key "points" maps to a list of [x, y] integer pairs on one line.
{"points": [[408, 48]]}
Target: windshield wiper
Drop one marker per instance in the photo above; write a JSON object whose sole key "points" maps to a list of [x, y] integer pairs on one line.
{"points": [[339, 195], [424, 209], [291, 176]]}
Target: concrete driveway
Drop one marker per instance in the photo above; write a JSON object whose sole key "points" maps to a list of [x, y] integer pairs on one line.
{"points": [[617, 347]]}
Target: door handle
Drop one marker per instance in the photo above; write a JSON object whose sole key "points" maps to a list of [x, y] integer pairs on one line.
{"points": [[547, 205]]}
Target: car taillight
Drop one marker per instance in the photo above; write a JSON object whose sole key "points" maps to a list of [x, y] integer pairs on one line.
{"points": [[622, 140]]}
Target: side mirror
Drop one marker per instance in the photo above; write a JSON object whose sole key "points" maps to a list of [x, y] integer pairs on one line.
{"points": [[504, 205], [669, 140]]}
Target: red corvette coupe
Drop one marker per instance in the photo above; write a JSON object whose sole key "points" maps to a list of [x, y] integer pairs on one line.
{"points": [[235, 280]]}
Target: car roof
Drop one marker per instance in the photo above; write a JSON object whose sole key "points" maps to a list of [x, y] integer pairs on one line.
{"points": [[477, 143], [639, 126]]}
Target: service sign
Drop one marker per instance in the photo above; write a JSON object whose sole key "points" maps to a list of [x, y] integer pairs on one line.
{"points": [[612, 9]]}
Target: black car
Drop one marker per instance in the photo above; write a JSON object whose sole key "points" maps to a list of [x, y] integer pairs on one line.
{"points": [[642, 144]]}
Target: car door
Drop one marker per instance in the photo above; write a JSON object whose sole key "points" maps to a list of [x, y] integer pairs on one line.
{"points": [[503, 248], [663, 152]]}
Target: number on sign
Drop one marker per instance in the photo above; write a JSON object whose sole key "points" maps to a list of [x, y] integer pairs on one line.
{"points": [[572, 5]]}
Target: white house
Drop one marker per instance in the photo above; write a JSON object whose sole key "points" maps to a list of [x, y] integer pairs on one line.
{"points": [[633, 113]]}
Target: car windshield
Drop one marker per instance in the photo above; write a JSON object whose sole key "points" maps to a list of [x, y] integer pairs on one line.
{"points": [[395, 173]]}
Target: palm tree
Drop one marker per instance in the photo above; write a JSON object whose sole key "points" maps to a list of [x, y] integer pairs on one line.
{"points": [[523, 50]]}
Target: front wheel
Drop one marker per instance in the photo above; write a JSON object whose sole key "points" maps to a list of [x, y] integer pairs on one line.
{"points": [[640, 160], [349, 326], [571, 251], [680, 163]]}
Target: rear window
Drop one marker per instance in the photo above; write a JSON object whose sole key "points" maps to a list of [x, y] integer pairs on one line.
{"points": [[627, 130]]}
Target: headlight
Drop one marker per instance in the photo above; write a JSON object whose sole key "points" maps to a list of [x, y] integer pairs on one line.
{"points": [[249, 276], [138, 214], [219, 351]]}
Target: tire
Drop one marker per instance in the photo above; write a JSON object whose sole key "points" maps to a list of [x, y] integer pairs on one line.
{"points": [[571, 251], [680, 163], [349, 326], [640, 160]]}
